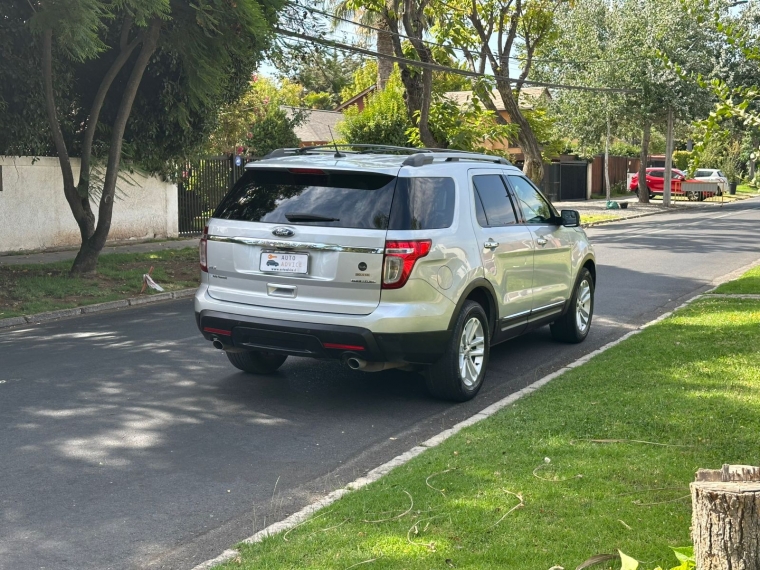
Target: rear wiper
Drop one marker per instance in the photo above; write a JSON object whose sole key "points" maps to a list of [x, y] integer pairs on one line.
{"points": [[309, 218]]}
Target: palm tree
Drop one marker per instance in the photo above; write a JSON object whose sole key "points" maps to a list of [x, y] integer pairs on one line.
{"points": [[382, 33]]}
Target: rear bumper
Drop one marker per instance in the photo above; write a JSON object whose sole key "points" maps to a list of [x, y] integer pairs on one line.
{"points": [[320, 340]]}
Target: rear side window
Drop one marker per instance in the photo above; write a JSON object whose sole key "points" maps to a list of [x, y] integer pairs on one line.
{"points": [[311, 197], [702, 174], [423, 204], [657, 173], [492, 204]]}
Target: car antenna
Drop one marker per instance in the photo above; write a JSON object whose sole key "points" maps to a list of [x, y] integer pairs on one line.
{"points": [[337, 152]]}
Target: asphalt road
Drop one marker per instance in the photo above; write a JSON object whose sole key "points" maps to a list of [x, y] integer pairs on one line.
{"points": [[129, 442]]}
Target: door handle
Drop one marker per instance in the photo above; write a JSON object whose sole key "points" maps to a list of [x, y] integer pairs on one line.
{"points": [[490, 244], [541, 242]]}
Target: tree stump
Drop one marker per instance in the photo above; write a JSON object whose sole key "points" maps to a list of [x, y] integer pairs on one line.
{"points": [[726, 518]]}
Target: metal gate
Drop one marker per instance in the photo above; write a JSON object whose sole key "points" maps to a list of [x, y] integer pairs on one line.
{"points": [[201, 185], [573, 180], [552, 181]]}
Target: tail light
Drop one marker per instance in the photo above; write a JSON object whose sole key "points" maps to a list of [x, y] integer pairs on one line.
{"points": [[400, 257], [203, 250]]}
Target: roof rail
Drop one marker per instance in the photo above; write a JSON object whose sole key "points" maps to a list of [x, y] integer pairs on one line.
{"points": [[427, 157], [418, 156]]}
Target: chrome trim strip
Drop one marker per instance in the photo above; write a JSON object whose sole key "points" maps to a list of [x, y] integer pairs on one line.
{"points": [[515, 316], [297, 245], [546, 307]]}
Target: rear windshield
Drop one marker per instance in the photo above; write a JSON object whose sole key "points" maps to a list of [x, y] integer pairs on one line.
{"points": [[340, 199], [315, 198], [423, 204]]}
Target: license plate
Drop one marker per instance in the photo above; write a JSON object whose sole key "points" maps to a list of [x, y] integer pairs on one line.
{"points": [[284, 262]]}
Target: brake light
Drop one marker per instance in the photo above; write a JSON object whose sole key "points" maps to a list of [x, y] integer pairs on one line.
{"points": [[203, 250], [315, 171], [400, 257]]}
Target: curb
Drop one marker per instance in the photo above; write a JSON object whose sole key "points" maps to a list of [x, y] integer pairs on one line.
{"points": [[95, 308], [376, 473]]}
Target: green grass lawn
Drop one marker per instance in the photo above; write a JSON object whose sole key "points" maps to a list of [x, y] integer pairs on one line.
{"points": [[746, 189], [600, 459], [29, 289], [594, 218], [747, 284]]}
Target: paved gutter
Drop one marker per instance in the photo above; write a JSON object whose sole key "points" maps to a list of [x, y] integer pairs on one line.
{"points": [[95, 308]]}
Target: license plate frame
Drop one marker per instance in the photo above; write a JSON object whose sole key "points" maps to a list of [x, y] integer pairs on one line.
{"points": [[267, 257]]}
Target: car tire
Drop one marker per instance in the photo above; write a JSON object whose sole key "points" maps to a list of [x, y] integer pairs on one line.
{"points": [[575, 324], [255, 362], [458, 375]]}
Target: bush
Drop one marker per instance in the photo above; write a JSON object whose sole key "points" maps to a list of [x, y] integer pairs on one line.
{"points": [[681, 159], [383, 120], [273, 131], [621, 148]]}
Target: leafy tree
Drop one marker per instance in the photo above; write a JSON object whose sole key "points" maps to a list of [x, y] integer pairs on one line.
{"points": [[620, 44], [319, 100], [244, 124], [364, 77], [317, 70], [491, 34], [464, 128], [97, 61]]}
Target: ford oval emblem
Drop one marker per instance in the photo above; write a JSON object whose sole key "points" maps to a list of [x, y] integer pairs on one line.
{"points": [[283, 232]]}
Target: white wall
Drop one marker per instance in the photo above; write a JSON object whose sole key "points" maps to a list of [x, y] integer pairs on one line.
{"points": [[34, 213]]}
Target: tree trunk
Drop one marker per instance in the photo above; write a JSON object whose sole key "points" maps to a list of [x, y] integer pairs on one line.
{"points": [[80, 209], [526, 140], [726, 518], [385, 47], [646, 135], [87, 257]]}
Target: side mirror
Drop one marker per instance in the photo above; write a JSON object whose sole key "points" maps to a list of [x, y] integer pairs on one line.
{"points": [[570, 218]]}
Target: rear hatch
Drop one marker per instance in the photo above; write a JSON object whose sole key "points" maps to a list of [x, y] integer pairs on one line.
{"points": [[301, 238]]}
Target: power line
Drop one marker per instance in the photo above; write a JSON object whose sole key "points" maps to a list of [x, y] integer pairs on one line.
{"points": [[436, 67], [434, 44]]}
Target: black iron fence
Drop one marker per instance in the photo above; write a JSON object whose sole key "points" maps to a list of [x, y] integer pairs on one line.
{"points": [[201, 185]]}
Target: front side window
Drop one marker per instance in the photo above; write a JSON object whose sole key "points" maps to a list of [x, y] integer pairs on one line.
{"points": [[535, 208], [493, 207]]}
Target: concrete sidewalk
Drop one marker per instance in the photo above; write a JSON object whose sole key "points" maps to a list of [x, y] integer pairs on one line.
{"points": [[70, 254]]}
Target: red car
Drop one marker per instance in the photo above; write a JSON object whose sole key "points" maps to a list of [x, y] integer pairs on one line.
{"points": [[656, 184]]}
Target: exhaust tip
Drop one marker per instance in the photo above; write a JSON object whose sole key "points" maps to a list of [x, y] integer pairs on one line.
{"points": [[217, 344], [353, 363]]}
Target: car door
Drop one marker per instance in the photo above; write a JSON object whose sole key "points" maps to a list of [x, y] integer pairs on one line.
{"points": [[506, 248], [552, 263], [656, 180]]}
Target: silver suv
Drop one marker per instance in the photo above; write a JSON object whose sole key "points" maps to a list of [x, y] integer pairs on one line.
{"points": [[389, 258]]}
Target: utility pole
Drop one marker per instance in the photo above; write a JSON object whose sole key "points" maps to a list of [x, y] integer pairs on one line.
{"points": [[607, 160], [668, 160]]}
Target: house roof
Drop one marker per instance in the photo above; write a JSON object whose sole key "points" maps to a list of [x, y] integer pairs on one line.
{"points": [[527, 95], [356, 98], [316, 125]]}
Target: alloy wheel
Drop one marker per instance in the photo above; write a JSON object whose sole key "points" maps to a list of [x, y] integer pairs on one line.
{"points": [[583, 306], [471, 352]]}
